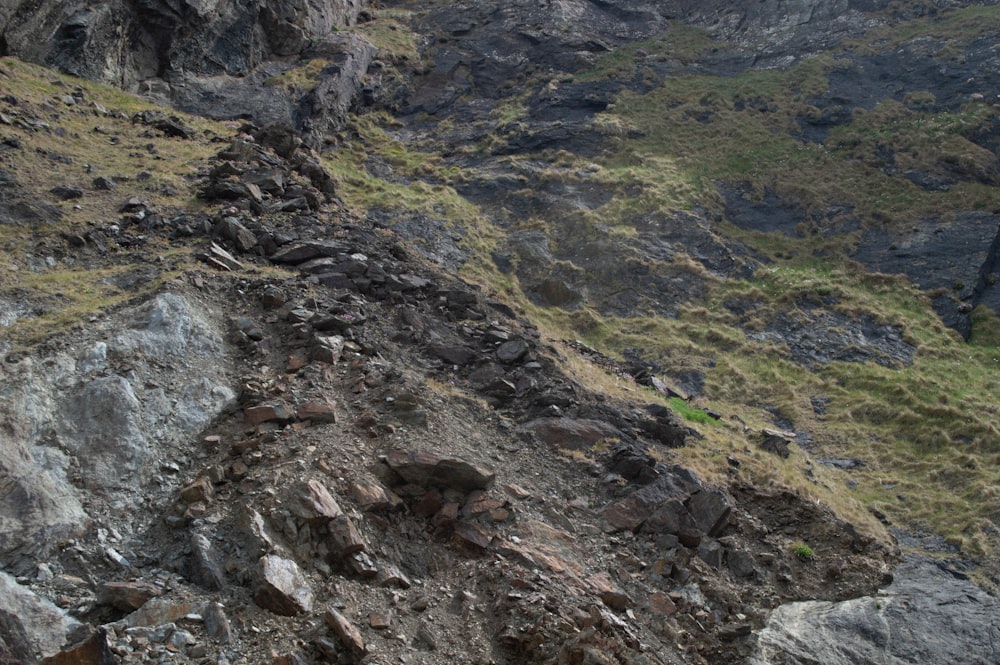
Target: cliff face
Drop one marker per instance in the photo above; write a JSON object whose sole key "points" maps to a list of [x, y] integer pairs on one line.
{"points": [[206, 57]]}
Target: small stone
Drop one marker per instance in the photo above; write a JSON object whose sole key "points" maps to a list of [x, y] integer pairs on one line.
{"points": [[373, 497], [432, 470], [104, 184], [389, 575], [425, 638], [327, 349], [207, 566]]}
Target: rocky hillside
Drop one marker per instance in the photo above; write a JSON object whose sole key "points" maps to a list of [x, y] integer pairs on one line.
{"points": [[569, 332]]}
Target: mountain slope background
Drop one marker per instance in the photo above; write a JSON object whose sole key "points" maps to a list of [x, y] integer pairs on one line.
{"points": [[756, 245]]}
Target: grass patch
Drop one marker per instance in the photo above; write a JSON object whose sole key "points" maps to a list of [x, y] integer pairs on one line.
{"points": [[688, 412]]}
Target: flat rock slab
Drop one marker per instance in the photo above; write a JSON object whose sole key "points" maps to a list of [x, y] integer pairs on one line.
{"points": [[432, 470]]}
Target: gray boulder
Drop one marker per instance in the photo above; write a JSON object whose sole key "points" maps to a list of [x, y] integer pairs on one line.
{"points": [[927, 615]]}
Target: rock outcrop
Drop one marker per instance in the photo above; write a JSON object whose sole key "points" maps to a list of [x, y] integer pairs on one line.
{"points": [[212, 57]]}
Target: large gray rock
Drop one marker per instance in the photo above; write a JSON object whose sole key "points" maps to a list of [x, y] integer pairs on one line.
{"points": [[927, 615], [90, 422], [44, 625]]}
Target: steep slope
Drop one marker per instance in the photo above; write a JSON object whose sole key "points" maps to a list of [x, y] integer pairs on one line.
{"points": [[782, 212]]}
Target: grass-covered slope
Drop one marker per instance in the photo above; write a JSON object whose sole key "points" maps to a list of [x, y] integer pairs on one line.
{"points": [[677, 139]]}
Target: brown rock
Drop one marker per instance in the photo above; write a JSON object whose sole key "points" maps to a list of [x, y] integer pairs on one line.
{"points": [[474, 534], [345, 632], [318, 411], [380, 620], [198, 490], [281, 587], [345, 537], [390, 575], [572, 433], [660, 605], [264, 413], [327, 348], [373, 497], [609, 593], [128, 596], [433, 470], [312, 502]]}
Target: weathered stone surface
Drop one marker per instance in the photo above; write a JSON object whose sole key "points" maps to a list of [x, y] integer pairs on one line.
{"points": [[372, 496], [158, 611], [327, 348], [281, 587], [44, 625], [128, 596], [94, 650], [432, 470], [572, 433], [312, 502], [217, 623], [775, 442], [927, 615], [345, 537], [711, 511], [453, 354], [207, 565], [317, 411], [346, 632]]}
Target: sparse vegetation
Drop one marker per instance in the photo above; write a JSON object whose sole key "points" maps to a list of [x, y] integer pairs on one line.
{"points": [[803, 552]]}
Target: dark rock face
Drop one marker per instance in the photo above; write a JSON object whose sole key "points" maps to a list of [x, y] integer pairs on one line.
{"points": [[958, 258], [927, 615], [206, 56]]}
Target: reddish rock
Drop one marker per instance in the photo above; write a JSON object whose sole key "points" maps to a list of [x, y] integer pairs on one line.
{"points": [[92, 651], [474, 534], [265, 413], [318, 411], [609, 593], [312, 502], [389, 575], [660, 605], [345, 631]]}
